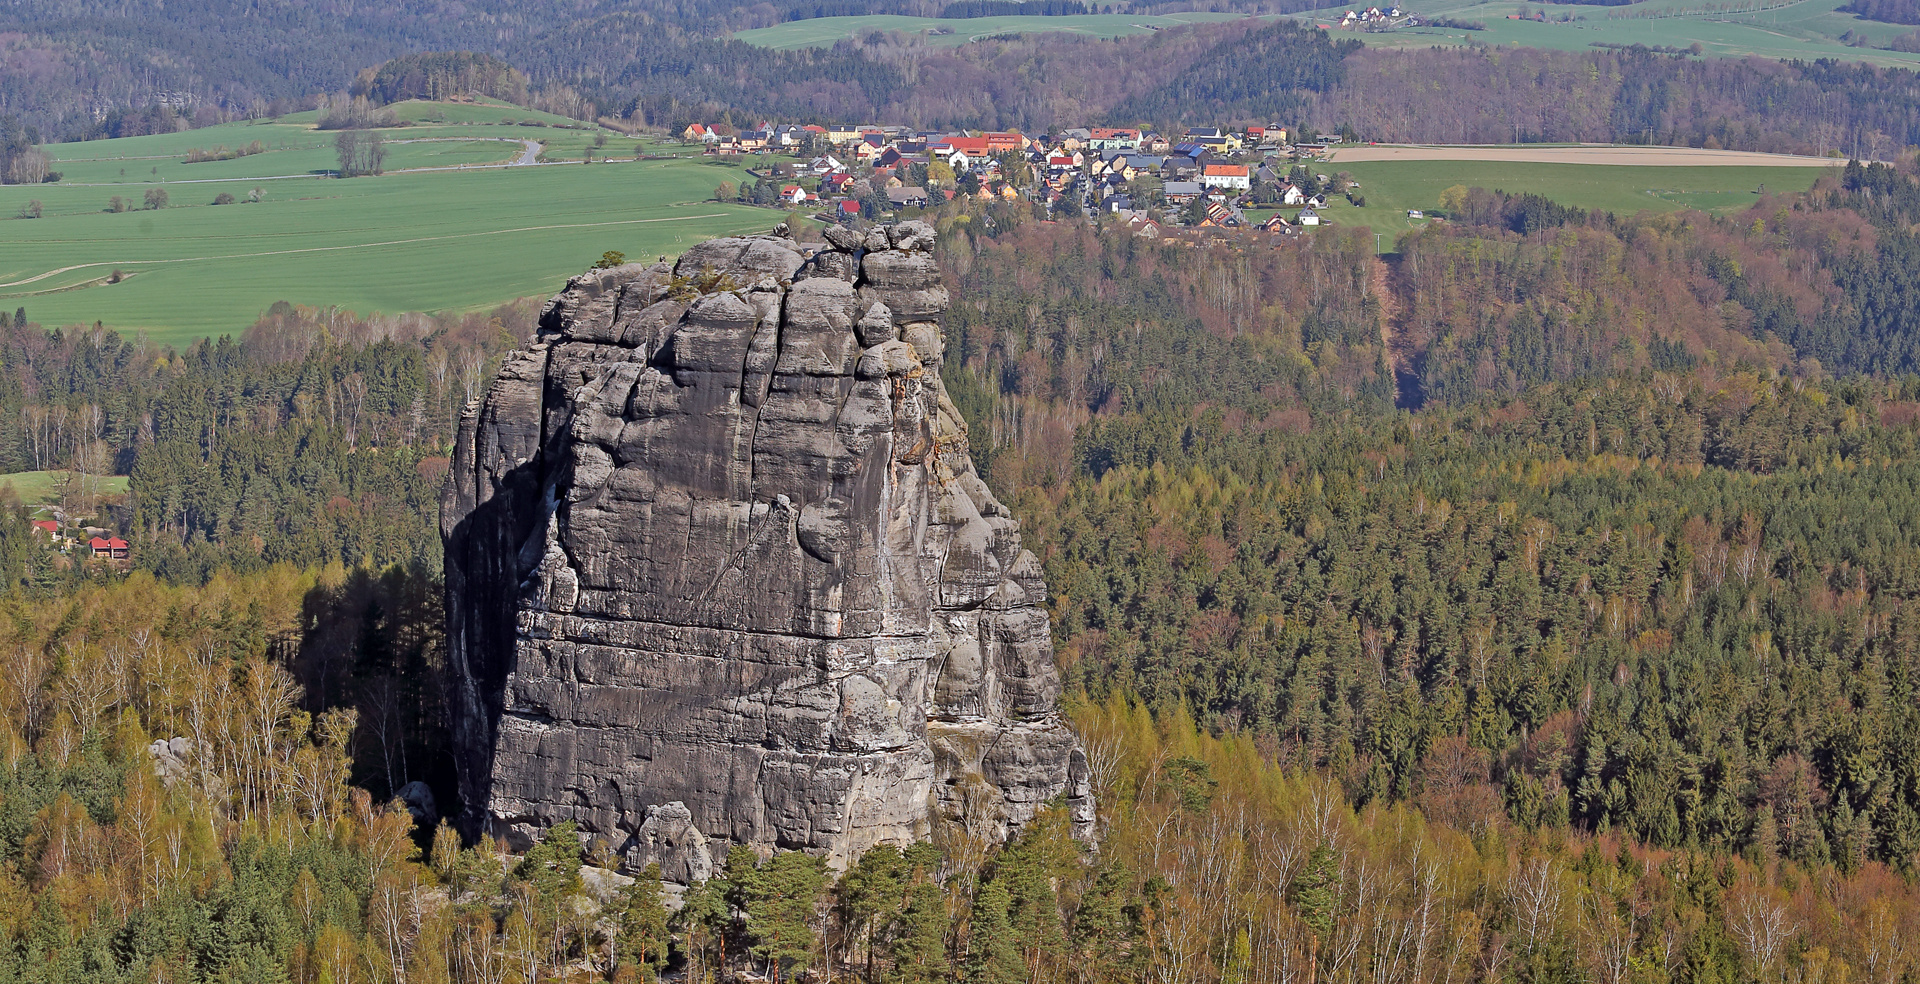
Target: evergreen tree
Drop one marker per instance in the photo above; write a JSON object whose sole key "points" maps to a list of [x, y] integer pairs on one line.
{"points": [[641, 946], [704, 922], [918, 944], [870, 889], [781, 901], [993, 952]]}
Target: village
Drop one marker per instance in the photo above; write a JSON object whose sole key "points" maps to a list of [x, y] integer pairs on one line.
{"points": [[1205, 178]]}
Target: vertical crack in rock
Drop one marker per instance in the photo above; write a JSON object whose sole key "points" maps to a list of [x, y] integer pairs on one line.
{"points": [[720, 570]]}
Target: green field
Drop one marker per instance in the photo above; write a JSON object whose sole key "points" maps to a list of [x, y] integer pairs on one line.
{"points": [[407, 240], [1390, 188], [37, 486], [1806, 30], [823, 31]]}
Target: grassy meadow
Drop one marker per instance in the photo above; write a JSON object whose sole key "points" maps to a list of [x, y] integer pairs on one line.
{"points": [[1390, 188], [39, 486], [1806, 30], [823, 31], [406, 240]]}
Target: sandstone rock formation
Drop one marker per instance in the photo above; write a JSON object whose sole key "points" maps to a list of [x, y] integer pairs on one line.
{"points": [[720, 570]]}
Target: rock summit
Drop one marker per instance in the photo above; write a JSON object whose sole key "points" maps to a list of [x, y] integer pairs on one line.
{"points": [[720, 570]]}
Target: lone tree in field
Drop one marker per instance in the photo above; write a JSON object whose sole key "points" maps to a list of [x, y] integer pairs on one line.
{"points": [[156, 198]]}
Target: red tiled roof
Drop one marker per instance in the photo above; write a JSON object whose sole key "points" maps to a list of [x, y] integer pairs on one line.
{"points": [[47, 524], [971, 146], [1227, 170]]}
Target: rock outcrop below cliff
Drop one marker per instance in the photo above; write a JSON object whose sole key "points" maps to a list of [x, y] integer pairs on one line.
{"points": [[720, 570]]}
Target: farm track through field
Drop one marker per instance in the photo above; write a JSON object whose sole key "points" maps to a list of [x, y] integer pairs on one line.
{"points": [[350, 246], [529, 157]]}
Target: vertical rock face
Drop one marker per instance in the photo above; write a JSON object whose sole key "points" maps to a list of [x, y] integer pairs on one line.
{"points": [[720, 570]]}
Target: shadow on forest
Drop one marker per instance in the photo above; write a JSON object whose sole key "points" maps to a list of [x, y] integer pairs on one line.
{"points": [[375, 642]]}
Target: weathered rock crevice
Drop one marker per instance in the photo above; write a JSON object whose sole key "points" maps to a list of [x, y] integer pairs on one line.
{"points": [[720, 570]]}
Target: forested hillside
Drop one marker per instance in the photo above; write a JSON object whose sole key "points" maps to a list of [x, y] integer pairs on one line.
{"points": [[81, 68], [1641, 548], [318, 437], [1535, 604]]}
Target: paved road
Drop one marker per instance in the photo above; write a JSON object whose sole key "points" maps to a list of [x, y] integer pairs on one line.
{"points": [[1644, 156]]}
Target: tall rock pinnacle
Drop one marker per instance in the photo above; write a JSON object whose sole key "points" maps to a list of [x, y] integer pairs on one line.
{"points": [[720, 570]]}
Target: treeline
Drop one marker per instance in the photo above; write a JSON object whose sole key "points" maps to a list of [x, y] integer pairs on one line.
{"points": [[440, 75], [1625, 96], [20, 161], [197, 155], [1003, 8], [1888, 11], [1524, 213], [1264, 75], [1215, 74]]}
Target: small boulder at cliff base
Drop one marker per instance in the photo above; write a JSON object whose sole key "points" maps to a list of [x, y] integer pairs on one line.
{"points": [[720, 571]]}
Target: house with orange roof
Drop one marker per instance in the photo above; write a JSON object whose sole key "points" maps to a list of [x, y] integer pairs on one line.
{"points": [[1226, 177], [1001, 142]]}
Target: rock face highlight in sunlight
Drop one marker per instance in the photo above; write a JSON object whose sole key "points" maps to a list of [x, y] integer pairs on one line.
{"points": [[720, 570]]}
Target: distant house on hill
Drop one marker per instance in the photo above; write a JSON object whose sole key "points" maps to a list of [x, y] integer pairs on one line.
{"points": [[1308, 217], [108, 548], [907, 197]]}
